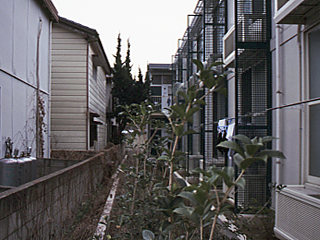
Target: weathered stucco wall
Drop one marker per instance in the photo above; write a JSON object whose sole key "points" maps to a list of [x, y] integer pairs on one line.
{"points": [[40, 209]]}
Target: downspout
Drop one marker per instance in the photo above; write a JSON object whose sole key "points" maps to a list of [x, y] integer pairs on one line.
{"points": [[279, 94], [300, 99], [38, 91], [49, 92], [88, 112]]}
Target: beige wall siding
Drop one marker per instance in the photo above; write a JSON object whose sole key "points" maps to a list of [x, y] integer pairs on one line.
{"points": [[98, 98], [69, 90]]}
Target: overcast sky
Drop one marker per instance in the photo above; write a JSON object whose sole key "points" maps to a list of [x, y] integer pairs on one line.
{"points": [[153, 27]]}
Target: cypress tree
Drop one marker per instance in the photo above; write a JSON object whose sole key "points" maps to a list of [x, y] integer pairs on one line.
{"points": [[126, 90]]}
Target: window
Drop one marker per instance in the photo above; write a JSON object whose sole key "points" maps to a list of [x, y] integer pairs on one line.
{"points": [[167, 79], [156, 79], [95, 63], [156, 91], [93, 128], [313, 41]]}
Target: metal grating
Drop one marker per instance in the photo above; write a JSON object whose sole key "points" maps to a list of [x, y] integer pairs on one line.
{"points": [[203, 40], [252, 87], [257, 194], [253, 91]]}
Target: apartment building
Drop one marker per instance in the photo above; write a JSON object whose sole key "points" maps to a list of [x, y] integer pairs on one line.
{"points": [[272, 48]]}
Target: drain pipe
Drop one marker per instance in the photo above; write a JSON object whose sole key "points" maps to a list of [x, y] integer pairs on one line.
{"points": [[279, 94], [301, 119]]}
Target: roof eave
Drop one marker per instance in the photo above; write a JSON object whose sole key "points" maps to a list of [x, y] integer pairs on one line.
{"points": [[50, 9], [92, 37]]}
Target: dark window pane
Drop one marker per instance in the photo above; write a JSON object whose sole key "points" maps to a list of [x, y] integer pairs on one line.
{"points": [[156, 91], [167, 79], [156, 79], [314, 163], [314, 63]]}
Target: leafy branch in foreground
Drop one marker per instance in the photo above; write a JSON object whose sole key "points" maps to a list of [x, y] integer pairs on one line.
{"points": [[188, 211]]}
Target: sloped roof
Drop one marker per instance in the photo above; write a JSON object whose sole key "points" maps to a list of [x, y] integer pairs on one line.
{"points": [[50, 9], [91, 35]]}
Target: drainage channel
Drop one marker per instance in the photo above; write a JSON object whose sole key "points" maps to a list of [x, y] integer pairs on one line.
{"points": [[102, 225]]}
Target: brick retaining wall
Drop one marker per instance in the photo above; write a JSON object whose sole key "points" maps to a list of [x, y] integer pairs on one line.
{"points": [[40, 209]]}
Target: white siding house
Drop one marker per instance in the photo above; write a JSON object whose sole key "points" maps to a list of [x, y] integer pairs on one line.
{"points": [[25, 38], [79, 88]]}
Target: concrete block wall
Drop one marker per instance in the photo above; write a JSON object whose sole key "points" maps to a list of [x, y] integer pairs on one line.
{"points": [[50, 165], [42, 208]]}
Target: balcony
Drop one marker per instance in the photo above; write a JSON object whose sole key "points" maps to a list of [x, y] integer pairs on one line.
{"points": [[296, 11], [157, 101]]}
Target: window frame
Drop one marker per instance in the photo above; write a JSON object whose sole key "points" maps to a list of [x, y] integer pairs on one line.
{"points": [[309, 178]]}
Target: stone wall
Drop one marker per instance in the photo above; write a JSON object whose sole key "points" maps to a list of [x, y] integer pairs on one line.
{"points": [[40, 209]]}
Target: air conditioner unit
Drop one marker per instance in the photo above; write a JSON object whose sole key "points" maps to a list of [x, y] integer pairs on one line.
{"points": [[297, 213]]}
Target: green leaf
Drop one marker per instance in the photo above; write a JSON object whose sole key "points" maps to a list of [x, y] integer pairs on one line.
{"points": [[205, 186], [233, 146], [214, 179], [252, 149], [184, 211], [249, 161], [188, 132], [163, 158], [242, 138], [200, 196], [199, 210], [176, 202], [200, 102], [192, 111], [190, 119], [208, 79], [147, 235], [184, 95], [241, 183], [200, 170], [179, 109], [191, 188], [187, 212], [238, 159], [222, 90], [208, 207], [178, 130], [267, 139], [198, 63], [181, 182], [226, 208], [192, 93], [189, 196], [271, 153], [176, 88], [207, 217], [214, 64], [224, 174]]}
